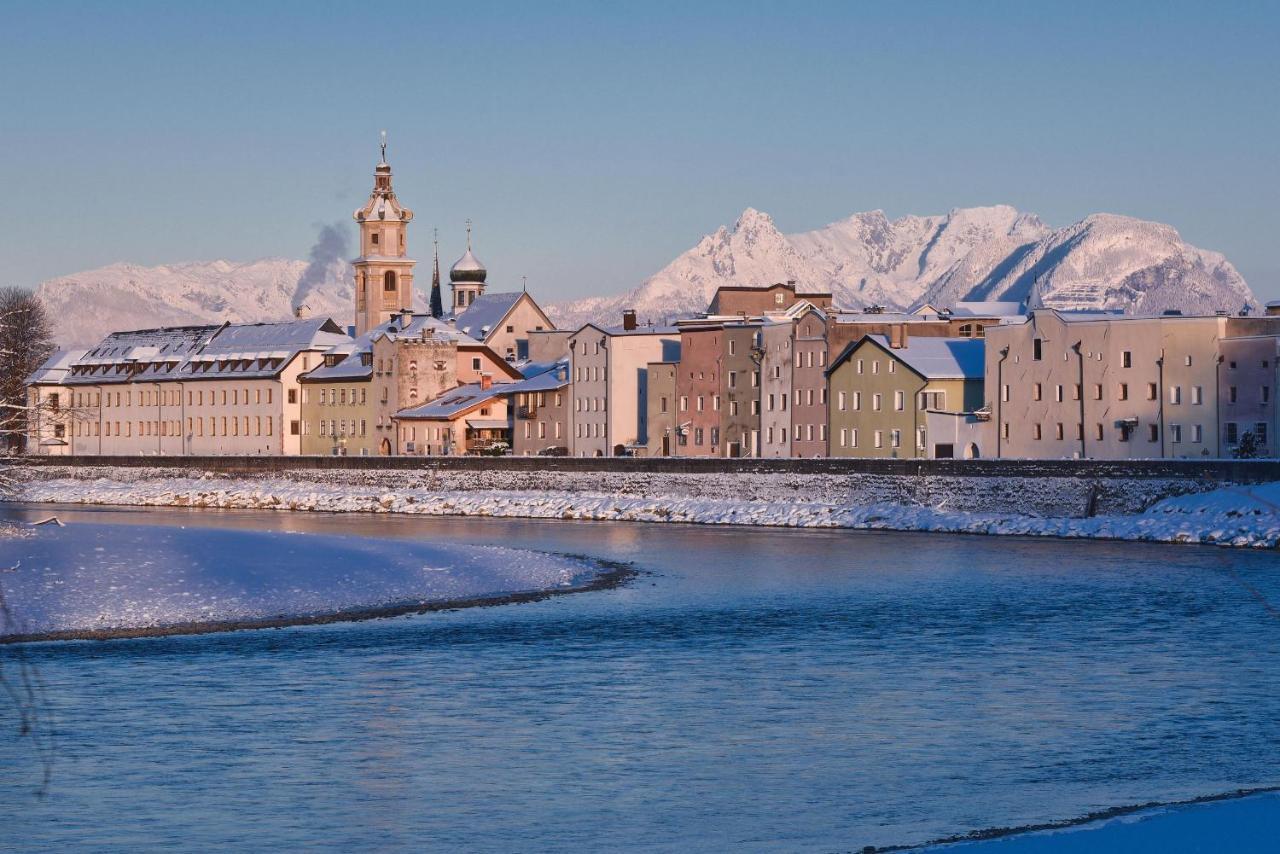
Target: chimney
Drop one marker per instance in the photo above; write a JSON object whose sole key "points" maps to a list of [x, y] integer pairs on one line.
{"points": [[486, 382], [628, 319], [897, 336]]}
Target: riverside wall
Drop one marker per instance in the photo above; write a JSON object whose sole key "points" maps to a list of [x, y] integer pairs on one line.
{"points": [[1070, 488], [1207, 471]]}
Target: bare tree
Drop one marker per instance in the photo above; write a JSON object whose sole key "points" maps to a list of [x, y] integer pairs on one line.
{"points": [[26, 341]]}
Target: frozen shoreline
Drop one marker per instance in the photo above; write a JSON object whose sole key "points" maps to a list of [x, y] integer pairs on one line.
{"points": [[1238, 516], [99, 581]]}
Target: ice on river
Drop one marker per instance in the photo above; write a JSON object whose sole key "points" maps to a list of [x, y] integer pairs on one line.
{"points": [[87, 577]]}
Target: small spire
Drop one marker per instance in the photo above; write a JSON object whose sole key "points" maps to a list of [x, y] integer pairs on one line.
{"points": [[468, 234], [524, 284], [384, 146]]}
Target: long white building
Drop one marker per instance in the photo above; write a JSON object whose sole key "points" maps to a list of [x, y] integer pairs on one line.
{"points": [[229, 389]]}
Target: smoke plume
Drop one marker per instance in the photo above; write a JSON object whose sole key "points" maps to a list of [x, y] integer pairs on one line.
{"points": [[330, 248]]}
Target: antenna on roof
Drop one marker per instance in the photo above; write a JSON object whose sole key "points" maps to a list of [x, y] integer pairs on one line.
{"points": [[384, 146]]}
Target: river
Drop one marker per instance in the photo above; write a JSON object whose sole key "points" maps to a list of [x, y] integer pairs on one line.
{"points": [[749, 689]]}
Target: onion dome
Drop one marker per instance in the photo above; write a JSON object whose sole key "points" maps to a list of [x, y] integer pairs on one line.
{"points": [[468, 269]]}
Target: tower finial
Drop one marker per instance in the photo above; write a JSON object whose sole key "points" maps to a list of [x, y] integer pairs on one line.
{"points": [[384, 146], [468, 234], [524, 284]]}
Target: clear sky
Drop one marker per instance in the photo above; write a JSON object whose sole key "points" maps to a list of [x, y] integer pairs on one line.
{"points": [[592, 143]]}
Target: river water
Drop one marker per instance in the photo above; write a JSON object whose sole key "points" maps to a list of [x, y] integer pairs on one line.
{"points": [[750, 689]]}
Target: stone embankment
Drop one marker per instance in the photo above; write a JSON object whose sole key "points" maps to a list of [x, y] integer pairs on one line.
{"points": [[1160, 502]]}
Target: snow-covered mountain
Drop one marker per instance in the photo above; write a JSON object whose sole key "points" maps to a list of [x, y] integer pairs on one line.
{"points": [[988, 253], [86, 306], [968, 254]]}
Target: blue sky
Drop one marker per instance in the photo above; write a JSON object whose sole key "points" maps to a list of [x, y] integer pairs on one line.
{"points": [[592, 143]]}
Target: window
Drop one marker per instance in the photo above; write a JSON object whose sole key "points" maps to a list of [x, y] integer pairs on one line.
{"points": [[895, 438], [1231, 394], [293, 395], [1260, 432], [1175, 394], [840, 403], [1059, 431], [1153, 432], [1036, 391], [1058, 394], [857, 400], [1126, 359], [1037, 349], [778, 298], [733, 347], [1076, 391], [879, 438], [684, 403], [733, 377], [1175, 433], [1152, 391], [1097, 391], [875, 402], [1035, 431], [389, 281], [1097, 432], [373, 238], [899, 402], [1265, 394], [1197, 395], [1197, 433], [1122, 393]]}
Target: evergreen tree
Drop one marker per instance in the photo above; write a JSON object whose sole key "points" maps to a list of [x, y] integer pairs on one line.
{"points": [[26, 341]]}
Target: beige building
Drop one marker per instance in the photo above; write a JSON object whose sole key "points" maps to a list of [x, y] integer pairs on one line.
{"points": [[383, 272], [469, 419], [882, 391], [1249, 373], [777, 341], [609, 376], [1105, 386], [662, 417], [230, 389], [50, 415]]}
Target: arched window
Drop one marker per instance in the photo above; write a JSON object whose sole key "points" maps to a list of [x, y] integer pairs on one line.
{"points": [[389, 280]]}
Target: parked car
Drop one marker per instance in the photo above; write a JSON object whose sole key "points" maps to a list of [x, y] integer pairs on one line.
{"points": [[555, 451]]}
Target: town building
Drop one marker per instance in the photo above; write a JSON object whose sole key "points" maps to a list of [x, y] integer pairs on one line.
{"points": [[540, 411], [1249, 374], [1102, 386], [751, 301], [229, 389], [882, 390], [777, 340], [809, 418], [661, 382], [50, 415], [609, 384], [718, 387], [469, 419]]}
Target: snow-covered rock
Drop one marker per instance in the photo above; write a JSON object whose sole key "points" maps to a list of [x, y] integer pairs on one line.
{"points": [[985, 253]]}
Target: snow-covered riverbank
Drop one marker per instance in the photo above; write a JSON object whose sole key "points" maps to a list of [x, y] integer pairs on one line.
{"points": [[102, 580], [1245, 516]]}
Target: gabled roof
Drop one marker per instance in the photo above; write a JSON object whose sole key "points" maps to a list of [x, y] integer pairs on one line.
{"points": [[931, 358], [455, 403], [55, 368], [485, 316]]}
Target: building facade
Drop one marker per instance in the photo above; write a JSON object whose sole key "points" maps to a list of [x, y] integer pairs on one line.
{"points": [[883, 390], [608, 370]]}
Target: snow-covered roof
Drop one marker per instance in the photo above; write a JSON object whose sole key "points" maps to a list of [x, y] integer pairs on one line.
{"points": [[55, 368], [455, 402], [482, 317], [240, 350], [986, 308], [557, 376], [932, 358]]}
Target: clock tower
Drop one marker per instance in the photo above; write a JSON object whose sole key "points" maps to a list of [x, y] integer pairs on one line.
{"points": [[384, 272]]}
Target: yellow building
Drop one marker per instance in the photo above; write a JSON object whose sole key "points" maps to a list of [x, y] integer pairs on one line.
{"points": [[881, 391]]}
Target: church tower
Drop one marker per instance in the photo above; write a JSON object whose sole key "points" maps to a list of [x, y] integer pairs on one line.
{"points": [[466, 278], [384, 273]]}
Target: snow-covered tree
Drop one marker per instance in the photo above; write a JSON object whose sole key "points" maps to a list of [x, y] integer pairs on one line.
{"points": [[26, 341]]}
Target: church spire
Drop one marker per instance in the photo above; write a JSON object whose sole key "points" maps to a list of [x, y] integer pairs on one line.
{"points": [[437, 301], [383, 272]]}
